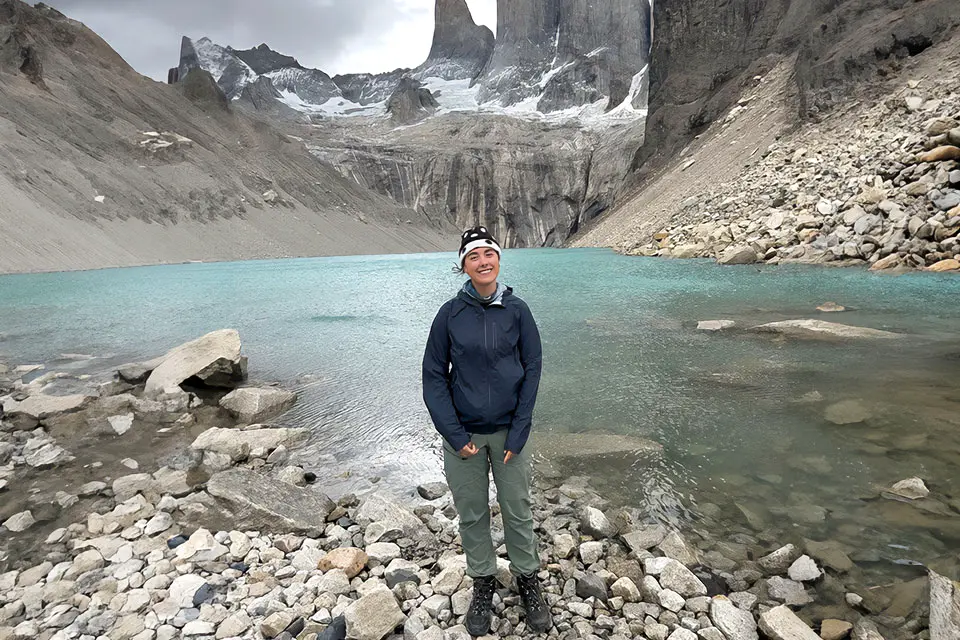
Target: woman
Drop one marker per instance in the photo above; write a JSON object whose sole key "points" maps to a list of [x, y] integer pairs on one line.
{"points": [[481, 371]]}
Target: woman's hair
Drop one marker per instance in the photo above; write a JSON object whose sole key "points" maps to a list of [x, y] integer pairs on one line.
{"points": [[458, 269]]}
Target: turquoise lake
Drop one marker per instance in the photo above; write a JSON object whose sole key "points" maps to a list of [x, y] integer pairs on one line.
{"points": [[741, 416]]}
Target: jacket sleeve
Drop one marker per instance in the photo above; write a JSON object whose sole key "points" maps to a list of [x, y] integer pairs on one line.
{"points": [[531, 357], [436, 383]]}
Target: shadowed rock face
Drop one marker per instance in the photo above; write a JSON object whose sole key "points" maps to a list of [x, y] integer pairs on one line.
{"points": [[607, 41], [460, 47], [263, 59], [410, 102], [705, 52]]}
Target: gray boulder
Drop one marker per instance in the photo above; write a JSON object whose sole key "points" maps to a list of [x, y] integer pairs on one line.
{"points": [[241, 444], [256, 404], [374, 616], [780, 623], [821, 329], [944, 608], [377, 508], [213, 359], [734, 622], [738, 255], [262, 503]]}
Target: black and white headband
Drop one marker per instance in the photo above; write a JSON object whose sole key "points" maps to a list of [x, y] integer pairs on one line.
{"points": [[476, 238]]}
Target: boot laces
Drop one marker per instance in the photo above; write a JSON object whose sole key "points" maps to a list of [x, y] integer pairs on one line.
{"points": [[530, 592]]}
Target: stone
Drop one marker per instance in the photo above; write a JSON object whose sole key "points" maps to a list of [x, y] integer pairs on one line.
{"points": [[675, 546], [831, 629], [591, 552], [335, 582], [41, 406], [804, 569], [184, 588], [810, 328], [125, 487], [276, 623], [379, 508], [254, 404], [590, 585], [671, 600], [831, 307], [847, 412], [780, 560], [19, 522], [121, 424], [447, 582], [400, 570], [780, 623], [734, 622], [581, 609], [436, 604], [715, 325], [158, 524], [201, 546], [45, 455], [645, 537], [738, 255], [889, 262], [677, 577], [350, 559], [940, 154], [239, 444], [788, 591], [261, 503], [564, 545], [682, 634], [942, 266], [625, 588], [433, 490], [214, 358], [374, 616], [595, 524], [172, 482], [198, 628], [944, 607]]}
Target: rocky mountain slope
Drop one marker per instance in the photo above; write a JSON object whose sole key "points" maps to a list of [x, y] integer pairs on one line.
{"points": [[787, 63], [100, 166]]}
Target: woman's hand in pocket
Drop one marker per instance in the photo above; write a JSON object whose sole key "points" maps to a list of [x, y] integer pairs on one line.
{"points": [[469, 450]]}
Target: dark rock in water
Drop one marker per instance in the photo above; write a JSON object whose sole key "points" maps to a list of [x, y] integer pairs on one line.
{"points": [[309, 477], [263, 59], [592, 585], [200, 88], [239, 566], [336, 630], [411, 101], [204, 594], [176, 541], [432, 490], [460, 47], [267, 504], [716, 585]]}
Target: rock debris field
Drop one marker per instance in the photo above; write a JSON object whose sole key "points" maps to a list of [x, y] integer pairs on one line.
{"points": [[232, 542]]}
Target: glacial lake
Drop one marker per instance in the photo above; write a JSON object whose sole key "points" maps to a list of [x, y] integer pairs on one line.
{"points": [[741, 416]]}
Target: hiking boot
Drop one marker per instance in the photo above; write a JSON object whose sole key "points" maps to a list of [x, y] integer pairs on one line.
{"points": [[478, 616], [538, 615]]}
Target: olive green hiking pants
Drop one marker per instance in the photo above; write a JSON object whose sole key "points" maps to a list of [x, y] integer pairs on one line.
{"points": [[469, 482]]}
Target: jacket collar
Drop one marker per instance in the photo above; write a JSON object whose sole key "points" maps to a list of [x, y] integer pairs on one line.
{"points": [[466, 298]]}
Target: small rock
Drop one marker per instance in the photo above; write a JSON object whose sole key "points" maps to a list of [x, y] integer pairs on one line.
{"points": [[780, 623], [804, 569], [591, 552], [911, 488], [595, 524], [19, 522], [350, 559], [275, 624], [734, 622], [433, 490], [373, 616], [715, 325], [831, 629], [671, 600]]}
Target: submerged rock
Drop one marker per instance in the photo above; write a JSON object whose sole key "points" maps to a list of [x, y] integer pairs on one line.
{"points": [[911, 489], [582, 445], [715, 325], [847, 412], [258, 404], [810, 328]]}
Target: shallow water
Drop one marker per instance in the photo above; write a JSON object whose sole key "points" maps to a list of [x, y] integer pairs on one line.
{"points": [[741, 450]]}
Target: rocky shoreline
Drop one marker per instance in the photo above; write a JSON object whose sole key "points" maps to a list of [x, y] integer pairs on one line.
{"points": [[223, 539], [878, 186]]}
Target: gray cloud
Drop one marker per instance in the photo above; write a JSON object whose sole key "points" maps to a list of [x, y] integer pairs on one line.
{"points": [[319, 33]]}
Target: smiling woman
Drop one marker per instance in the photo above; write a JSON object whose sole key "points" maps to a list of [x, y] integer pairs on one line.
{"points": [[481, 373]]}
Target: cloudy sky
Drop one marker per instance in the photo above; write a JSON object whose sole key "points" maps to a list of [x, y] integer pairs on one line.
{"points": [[337, 36]]}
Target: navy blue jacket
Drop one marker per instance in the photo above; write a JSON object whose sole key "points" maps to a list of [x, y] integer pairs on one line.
{"points": [[481, 370]]}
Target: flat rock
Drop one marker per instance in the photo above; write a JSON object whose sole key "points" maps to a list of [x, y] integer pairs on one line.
{"points": [[585, 445], [262, 503], [831, 629], [780, 623], [239, 444], [787, 591], [944, 608], [256, 404], [738, 255], [734, 622], [675, 546], [645, 537], [374, 616], [433, 490], [847, 412], [829, 554], [677, 577], [715, 325], [201, 546], [214, 358], [19, 522], [350, 559], [42, 406], [378, 508], [810, 328], [184, 588]]}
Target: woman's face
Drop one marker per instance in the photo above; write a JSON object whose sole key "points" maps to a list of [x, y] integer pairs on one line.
{"points": [[482, 265]]}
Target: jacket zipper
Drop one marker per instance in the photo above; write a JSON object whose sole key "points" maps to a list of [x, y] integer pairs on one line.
{"points": [[486, 350]]}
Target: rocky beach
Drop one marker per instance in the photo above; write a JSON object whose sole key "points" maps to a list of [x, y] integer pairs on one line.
{"points": [[211, 533]]}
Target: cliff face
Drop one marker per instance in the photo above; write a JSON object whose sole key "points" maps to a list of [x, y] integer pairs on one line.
{"points": [[599, 45], [460, 47], [706, 52]]}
